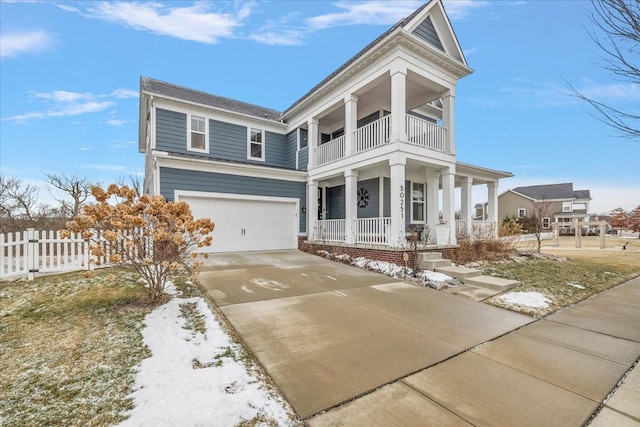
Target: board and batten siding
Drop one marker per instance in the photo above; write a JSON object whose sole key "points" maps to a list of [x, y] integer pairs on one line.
{"points": [[172, 179], [171, 131], [427, 32]]}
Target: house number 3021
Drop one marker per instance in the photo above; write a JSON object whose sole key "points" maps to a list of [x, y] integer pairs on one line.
{"points": [[402, 201]]}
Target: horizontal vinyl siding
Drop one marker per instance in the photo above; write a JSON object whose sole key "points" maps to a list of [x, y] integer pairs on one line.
{"points": [[303, 159], [291, 148], [171, 131], [371, 210], [176, 179], [335, 202], [276, 145], [386, 195], [227, 141], [427, 32]]}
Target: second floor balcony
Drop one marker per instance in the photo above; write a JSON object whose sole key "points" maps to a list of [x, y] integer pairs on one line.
{"points": [[419, 132]]}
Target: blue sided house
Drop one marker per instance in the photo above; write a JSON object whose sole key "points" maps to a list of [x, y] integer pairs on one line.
{"points": [[366, 154]]}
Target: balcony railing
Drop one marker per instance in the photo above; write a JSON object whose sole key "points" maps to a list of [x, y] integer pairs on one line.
{"points": [[330, 151], [426, 134], [419, 132], [329, 230], [373, 231], [372, 135]]}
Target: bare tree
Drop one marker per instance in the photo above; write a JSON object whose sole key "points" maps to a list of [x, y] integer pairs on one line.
{"points": [[19, 207], [73, 186], [619, 21], [534, 222], [18, 200]]}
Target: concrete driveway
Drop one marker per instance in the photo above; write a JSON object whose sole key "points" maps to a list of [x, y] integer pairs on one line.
{"points": [[328, 333]]}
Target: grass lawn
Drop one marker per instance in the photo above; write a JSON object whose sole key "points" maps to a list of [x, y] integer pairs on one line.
{"points": [[69, 348], [586, 272]]}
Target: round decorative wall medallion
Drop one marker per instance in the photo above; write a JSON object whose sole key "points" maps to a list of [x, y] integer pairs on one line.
{"points": [[363, 197]]}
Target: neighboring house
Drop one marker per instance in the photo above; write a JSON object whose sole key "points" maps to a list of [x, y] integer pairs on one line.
{"points": [[364, 155], [564, 203]]}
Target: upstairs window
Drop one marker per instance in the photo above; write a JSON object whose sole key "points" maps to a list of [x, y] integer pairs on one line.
{"points": [[198, 134], [255, 144], [522, 212], [303, 138], [567, 207]]}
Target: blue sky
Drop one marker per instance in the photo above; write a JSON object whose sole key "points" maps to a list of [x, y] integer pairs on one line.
{"points": [[69, 81]]}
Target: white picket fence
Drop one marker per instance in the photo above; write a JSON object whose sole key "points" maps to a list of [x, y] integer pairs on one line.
{"points": [[23, 254]]}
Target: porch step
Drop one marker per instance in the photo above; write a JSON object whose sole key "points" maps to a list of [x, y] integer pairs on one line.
{"points": [[496, 283], [433, 264], [462, 273], [424, 256]]}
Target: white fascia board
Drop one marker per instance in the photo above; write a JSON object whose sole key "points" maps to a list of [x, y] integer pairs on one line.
{"points": [[203, 165], [163, 101], [481, 172]]}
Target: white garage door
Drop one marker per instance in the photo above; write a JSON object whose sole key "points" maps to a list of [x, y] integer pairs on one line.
{"points": [[252, 224]]}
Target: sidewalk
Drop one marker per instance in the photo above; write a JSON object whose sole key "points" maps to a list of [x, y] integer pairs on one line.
{"points": [[556, 371]]}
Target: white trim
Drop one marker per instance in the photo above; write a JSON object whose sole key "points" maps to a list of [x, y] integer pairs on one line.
{"points": [[237, 118], [524, 212], [228, 168], [263, 145], [206, 194]]}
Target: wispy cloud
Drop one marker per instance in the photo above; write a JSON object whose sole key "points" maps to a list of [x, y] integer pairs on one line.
{"points": [[116, 122], [13, 44], [283, 38], [62, 103], [105, 167], [121, 144], [198, 22], [368, 12], [529, 93], [461, 9]]}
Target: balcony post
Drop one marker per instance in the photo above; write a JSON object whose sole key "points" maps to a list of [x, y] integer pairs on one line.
{"points": [[398, 201], [466, 191], [448, 202], [312, 208], [433, 200], [312, 135], [398, 103], [492, 205], [350, 123], [448, 120], [350, 205]]}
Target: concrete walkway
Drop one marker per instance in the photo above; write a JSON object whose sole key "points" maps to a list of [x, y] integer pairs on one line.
{"points": [[349, 347]]}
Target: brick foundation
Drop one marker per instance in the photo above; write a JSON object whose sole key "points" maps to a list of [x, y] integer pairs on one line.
{"points": [[391, 255]]}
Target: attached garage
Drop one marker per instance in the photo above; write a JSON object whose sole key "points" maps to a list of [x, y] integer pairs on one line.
{"points": [[247, 223]]}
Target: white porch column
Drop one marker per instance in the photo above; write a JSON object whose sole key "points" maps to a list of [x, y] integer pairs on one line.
{"points": [[466, 204], [312, 135], [312, 208], [350, 204], [398, 103], [492, 205], [398, 202], [448, 202], [433, 201], [448, 119], [350, 123]]}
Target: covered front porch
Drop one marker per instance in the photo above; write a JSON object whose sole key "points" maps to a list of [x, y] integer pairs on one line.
{"points": [[379, 205]]}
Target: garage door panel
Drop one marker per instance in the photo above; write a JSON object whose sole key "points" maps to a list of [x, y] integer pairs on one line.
{"points": [[245, 225]]}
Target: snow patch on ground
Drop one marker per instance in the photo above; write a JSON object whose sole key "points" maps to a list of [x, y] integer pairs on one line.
{"points": [[525, 299], [194, 378]]}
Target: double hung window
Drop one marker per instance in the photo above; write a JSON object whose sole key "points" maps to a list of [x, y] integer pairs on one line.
{"points": [[198, 134]]}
